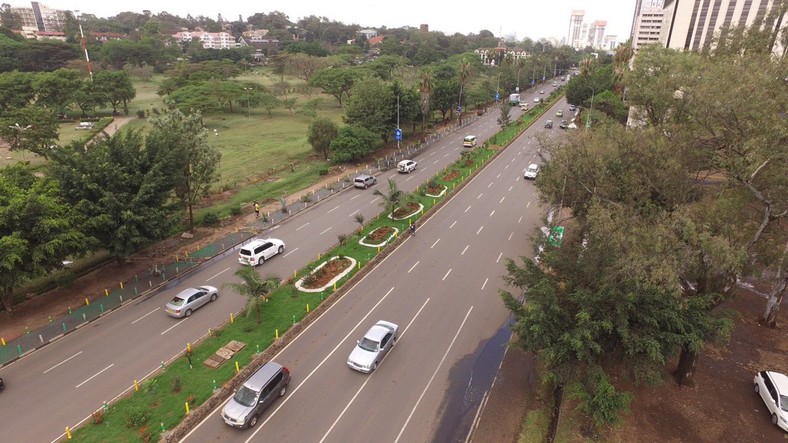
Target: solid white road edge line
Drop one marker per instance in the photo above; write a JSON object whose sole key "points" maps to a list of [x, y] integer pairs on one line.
{"points": [[445, 354]]}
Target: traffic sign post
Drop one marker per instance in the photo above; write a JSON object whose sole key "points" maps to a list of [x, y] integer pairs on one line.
{"points": [[398, 136]]}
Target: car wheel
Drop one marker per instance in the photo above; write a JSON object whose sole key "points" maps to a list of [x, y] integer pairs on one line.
{"points": [[757, 389], [774, 419], [283, 391], [188, 313], [252, 421], [214, 297], [374, 366], [261, 261], [281, 249]]}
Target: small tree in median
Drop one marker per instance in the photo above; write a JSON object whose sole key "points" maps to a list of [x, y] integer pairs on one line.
{"points": [[254, 287]]}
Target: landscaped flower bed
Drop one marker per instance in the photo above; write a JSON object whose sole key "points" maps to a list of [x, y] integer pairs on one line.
{"points": [[407, 211], [326, 274], [435, 191], [379, 237], [451, 175]]}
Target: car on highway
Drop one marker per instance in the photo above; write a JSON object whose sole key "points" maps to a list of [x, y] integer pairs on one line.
{"points": [[559, 113], [541, 91], [470, 140], [572, 108], [188, 300], [406, 166], [537, 99], [548, 124], [773, 389], [256, 394], [257, 251], [373, 348], [364, 181], [531, 171], [563, 124]]}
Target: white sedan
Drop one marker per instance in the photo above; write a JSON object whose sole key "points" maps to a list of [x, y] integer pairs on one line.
{"points": [[373, 348], [531, 171], [773, 389]]}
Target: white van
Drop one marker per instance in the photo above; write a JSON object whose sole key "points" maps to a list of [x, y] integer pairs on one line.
{"points": [[469, 141]]}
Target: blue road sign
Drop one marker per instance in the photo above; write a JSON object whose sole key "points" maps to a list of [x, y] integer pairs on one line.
{"points": [[398, 134], [497, 96]]}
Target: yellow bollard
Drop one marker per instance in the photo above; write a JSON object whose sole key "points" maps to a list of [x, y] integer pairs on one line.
{"points": [[237, 369], [307, 308], [3, 341], [335, 286], [318, 256], [87, 302], [106, 292], [276, 333], [68, 432], [359, 265], [187, 408], [378, 248], [188, 347], [231, 318], [121, 285], [136, 386], [294, 274]]}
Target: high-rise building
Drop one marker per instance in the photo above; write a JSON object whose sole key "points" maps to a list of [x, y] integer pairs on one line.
{"points": [[596, 34], [575, 37], [649, 27], [640, 5], [693, 23]]}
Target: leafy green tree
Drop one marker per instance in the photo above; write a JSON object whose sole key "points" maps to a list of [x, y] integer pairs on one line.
{"points": [[612, 106], [269, 102], [426, 86], [194, 162], [31, 128], [353, 143], [504, 118], [196, 97], [304, 66], [370, 106], [321, 133], [122, 188], [256, 289], [335, 81], [116, 87], [57, 89], [444, 97], [88, 97], [16, 90], [38, 230]]}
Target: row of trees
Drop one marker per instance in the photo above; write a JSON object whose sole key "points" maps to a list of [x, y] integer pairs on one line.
{"points": [[662, 223], [118, 195]]}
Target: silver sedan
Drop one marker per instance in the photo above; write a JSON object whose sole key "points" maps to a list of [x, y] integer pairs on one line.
{"points": [[186, 301], [372, 349]]}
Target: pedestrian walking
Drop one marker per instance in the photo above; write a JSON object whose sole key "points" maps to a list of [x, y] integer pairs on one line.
{"points": [[413, 228], [256, 210]]}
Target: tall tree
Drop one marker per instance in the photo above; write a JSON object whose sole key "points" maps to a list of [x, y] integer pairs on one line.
{"points": [[256, 289], [116, 87], [123, 190], [57, 89], [370, 106], [30, 128], [320, 134], [38, 230], [426, 85], [194, 162], [335, 81]]}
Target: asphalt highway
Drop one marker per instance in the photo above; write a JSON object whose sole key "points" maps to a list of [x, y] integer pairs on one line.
{"points": [[439, 286]]}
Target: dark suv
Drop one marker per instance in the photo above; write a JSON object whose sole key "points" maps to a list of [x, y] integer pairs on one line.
{"points": [[256, 395]]}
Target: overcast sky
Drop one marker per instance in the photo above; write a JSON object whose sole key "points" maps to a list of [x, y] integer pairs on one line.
{"points": [[523, 18]]}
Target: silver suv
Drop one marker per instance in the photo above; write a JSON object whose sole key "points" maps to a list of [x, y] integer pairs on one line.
{"points": [[256, 395], [364, 181]]}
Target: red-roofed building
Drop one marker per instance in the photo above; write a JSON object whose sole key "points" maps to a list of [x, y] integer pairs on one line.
{"points": [[376, 40]]}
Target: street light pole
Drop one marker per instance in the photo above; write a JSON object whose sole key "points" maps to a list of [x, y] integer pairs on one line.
{"points": [[248, 102], [398, 128]]}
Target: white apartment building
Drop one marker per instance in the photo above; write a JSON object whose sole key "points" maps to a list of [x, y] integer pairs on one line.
{"points": [[596, 34], [575, 37], [210, 40], [41, 17]]}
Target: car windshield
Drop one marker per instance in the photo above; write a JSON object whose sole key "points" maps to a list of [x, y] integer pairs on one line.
{"points": [[532, 169], [245, 396], [177, 301], [368, 345]]}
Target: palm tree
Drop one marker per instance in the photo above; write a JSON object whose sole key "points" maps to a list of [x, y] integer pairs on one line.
{"points": [[391, 199], [425, 88], [255, 288]]}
